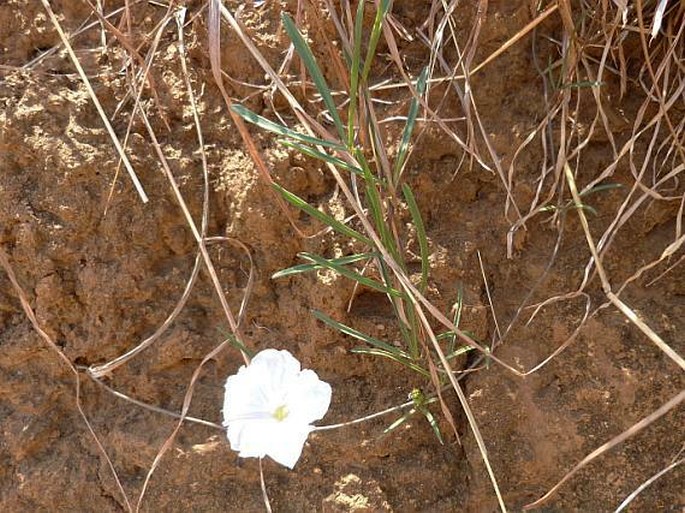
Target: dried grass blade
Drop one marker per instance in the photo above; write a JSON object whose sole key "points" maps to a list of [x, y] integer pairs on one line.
{"points": [[512, 41], [26, 305], [634, 429], [96, 102], [625, 309], [648, 482]]}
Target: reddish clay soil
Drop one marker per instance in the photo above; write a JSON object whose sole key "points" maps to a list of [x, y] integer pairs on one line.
{"points": [[103, 270]]}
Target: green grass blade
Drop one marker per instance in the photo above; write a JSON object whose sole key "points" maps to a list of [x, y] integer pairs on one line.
{"points": [[601, 188], [320, 155], [236, 343], [379, 352], [421, 403], [433, 423], [409, 127], [588, 208], [375, 203], [279, 129], [413, 332], [303, 268], [459, 351], [352, 275], [582, 84], [375, 36], [354, 74], [420, 234], [397, 423], [347, 330], [305, 53], [457, 319], [320, 216]]}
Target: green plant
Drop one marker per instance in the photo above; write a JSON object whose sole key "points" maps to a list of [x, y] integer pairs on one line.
{"points": [[380, 192]]}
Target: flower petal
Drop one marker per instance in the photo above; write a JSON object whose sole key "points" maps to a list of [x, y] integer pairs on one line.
{"points": [[247, 437], [278, 365], [244, 396], [286, 444], [308, 397]]}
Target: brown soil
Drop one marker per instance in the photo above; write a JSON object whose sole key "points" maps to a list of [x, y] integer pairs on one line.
{"points": [[103, 272]]}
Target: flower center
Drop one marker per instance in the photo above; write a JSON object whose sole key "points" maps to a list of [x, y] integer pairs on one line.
{"points": [[281, 413]]}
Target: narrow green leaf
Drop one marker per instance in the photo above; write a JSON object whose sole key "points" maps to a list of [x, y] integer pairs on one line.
{"points": [[324, 218], [354, 74], [352, 275], [235, 342], [303, 268], [414, 331], [409, 127], [582, 84], [279, 129], [601, 188], [588, 208], [433, 423], [375, 36], [315, 153], [373, 198], [305, 53], [420, 234], [459, 351], [379, 352], [401, 420], [347, 330]]}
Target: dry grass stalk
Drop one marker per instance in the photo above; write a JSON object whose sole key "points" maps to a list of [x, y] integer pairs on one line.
{"points": [[96, 102], [26, 305], [625, 435]]}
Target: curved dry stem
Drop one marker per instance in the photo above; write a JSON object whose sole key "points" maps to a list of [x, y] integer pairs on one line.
{"points": [[101, 370], [262, 482], [634, 429], [233, 324], [184, 413], [23, 298], [647, 483], [156, 409], [625, 309], [98, 371]]}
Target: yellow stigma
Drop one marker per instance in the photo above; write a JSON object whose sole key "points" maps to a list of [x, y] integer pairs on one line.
{"points": [[281, 413]]}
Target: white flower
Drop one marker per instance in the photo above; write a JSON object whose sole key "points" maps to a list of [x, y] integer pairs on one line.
{"points": [[269, 407]]}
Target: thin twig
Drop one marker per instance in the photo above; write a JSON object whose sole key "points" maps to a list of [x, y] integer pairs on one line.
{"points": [[634, 429], [625, 309], [23, 298], [647, 483], [96, 102], [262, 482]]}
